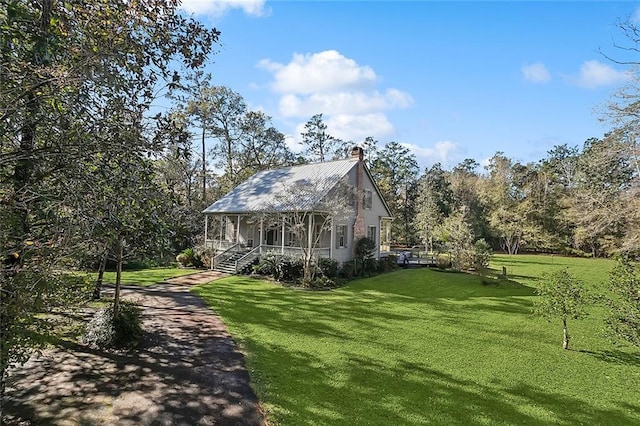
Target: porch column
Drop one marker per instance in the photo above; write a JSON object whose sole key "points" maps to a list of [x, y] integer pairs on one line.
{"points": [[282, 242], [261, 232], [206, 228], [221, 225], [310, 234], [238, 231], [331, 239]]}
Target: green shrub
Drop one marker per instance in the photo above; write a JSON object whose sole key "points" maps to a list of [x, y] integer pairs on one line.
{"points": [[347, 270], [319, 283], [328, 267], [121, 331], [481, 255], [280, 267], [388, 263], [189, 257]]}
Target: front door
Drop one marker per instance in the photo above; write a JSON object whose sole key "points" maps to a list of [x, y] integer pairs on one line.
{"points": [[271, 237]]}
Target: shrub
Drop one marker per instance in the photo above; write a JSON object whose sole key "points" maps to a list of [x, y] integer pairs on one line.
{"points": [[347, 270], [443, 262], [319, 283], [205, 255], [481, 255], [189, 257], [279, 266], [328, 267], [121, 331]]}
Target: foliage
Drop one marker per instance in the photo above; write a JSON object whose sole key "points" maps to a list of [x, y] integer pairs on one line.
{"points": [[318, 144], [388, 263], [76, 138], [395, 171], [280, 266], [561, 296], [481, 255], [122, 330], [357, 355], [624, 317], [189, 257], [328, 267], [456, 233], [319, 283]]}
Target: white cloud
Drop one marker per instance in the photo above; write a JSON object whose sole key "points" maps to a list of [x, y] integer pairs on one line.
{"points": [[595, 74], [536, 73], [292, 105], [342, 90], [442, 152], [220, 7], [357, 127], [318, 72]]}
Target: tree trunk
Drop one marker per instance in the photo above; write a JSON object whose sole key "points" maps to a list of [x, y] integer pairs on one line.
{"points": [[116, 297], [204, 169], [565, 334], [98, 287]]}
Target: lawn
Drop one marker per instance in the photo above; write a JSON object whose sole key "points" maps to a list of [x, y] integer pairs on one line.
{"points": [[423, 346], [145, 277]]}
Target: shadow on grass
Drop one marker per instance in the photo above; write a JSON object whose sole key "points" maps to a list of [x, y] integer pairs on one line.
{"points": [[366, 391], [616, 357]]}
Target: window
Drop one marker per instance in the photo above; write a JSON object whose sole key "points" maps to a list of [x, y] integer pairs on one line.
{"points": [[368, 199], [341, 236], [372, 234]]}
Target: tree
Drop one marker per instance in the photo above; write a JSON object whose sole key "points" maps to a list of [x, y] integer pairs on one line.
{"points": [[308, 209], [623, 319], [395, 170], [563, 296], [457, 234], [71, 71], [318, 144], [262, 146]]}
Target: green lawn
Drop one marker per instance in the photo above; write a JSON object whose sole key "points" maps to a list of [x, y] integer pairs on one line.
{"points": [[423, 346], [145, 277]]}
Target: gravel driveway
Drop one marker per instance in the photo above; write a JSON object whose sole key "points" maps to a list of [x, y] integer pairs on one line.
{"points": [[187, 371]]}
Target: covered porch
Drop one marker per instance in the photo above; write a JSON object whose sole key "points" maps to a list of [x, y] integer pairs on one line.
{"points": [[246, 232]]}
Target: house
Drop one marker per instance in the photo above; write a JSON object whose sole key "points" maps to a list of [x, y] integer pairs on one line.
{"points": [[287, 210]]}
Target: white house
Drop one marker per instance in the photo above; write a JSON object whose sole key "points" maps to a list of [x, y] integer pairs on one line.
{"points": [[239, 225]]}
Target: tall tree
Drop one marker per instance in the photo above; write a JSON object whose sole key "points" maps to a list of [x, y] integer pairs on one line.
{"points": [[66, 66], [395, 170], [318, 144]]}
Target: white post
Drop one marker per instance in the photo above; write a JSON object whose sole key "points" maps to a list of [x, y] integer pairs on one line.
{"points": [[206, 228], [282, 242], [331, 239], [238, 231], [220, 239], [310, 235], [261, 232]]}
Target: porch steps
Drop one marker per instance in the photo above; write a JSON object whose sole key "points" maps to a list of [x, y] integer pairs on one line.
{"points": [[229, 266]]}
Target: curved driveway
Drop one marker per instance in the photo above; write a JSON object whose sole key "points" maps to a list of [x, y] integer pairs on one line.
{"points": [[187, 371]]}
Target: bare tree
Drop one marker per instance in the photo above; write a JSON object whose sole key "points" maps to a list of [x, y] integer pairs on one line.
{"points": [[308, 209]]}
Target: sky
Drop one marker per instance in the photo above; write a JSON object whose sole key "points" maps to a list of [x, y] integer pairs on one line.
{"points": [[449, 80]]}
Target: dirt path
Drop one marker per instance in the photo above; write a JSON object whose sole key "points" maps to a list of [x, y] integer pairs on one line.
{"points": [[186, 372]]}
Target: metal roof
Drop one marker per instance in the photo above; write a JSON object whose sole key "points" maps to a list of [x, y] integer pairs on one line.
{"points": [[278, 189]]}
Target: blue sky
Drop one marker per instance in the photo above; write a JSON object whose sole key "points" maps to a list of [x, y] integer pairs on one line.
{"points": [[450, 80]]}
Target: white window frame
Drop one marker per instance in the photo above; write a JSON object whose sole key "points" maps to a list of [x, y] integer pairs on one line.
{"points": [[367, 199]]}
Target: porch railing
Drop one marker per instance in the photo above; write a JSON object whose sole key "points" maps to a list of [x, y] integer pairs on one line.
{"points": [[220, 258], [295, 251], [248, 258]]}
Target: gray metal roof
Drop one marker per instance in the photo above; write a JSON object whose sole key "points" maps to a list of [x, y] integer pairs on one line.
{"points": [[279, 189]]}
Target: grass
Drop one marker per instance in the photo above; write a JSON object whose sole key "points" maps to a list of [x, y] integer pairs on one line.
{"points": [[145, 277], [423, 346]]}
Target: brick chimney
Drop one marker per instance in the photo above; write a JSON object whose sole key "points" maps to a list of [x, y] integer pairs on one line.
{"points": [[359, 229]]}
